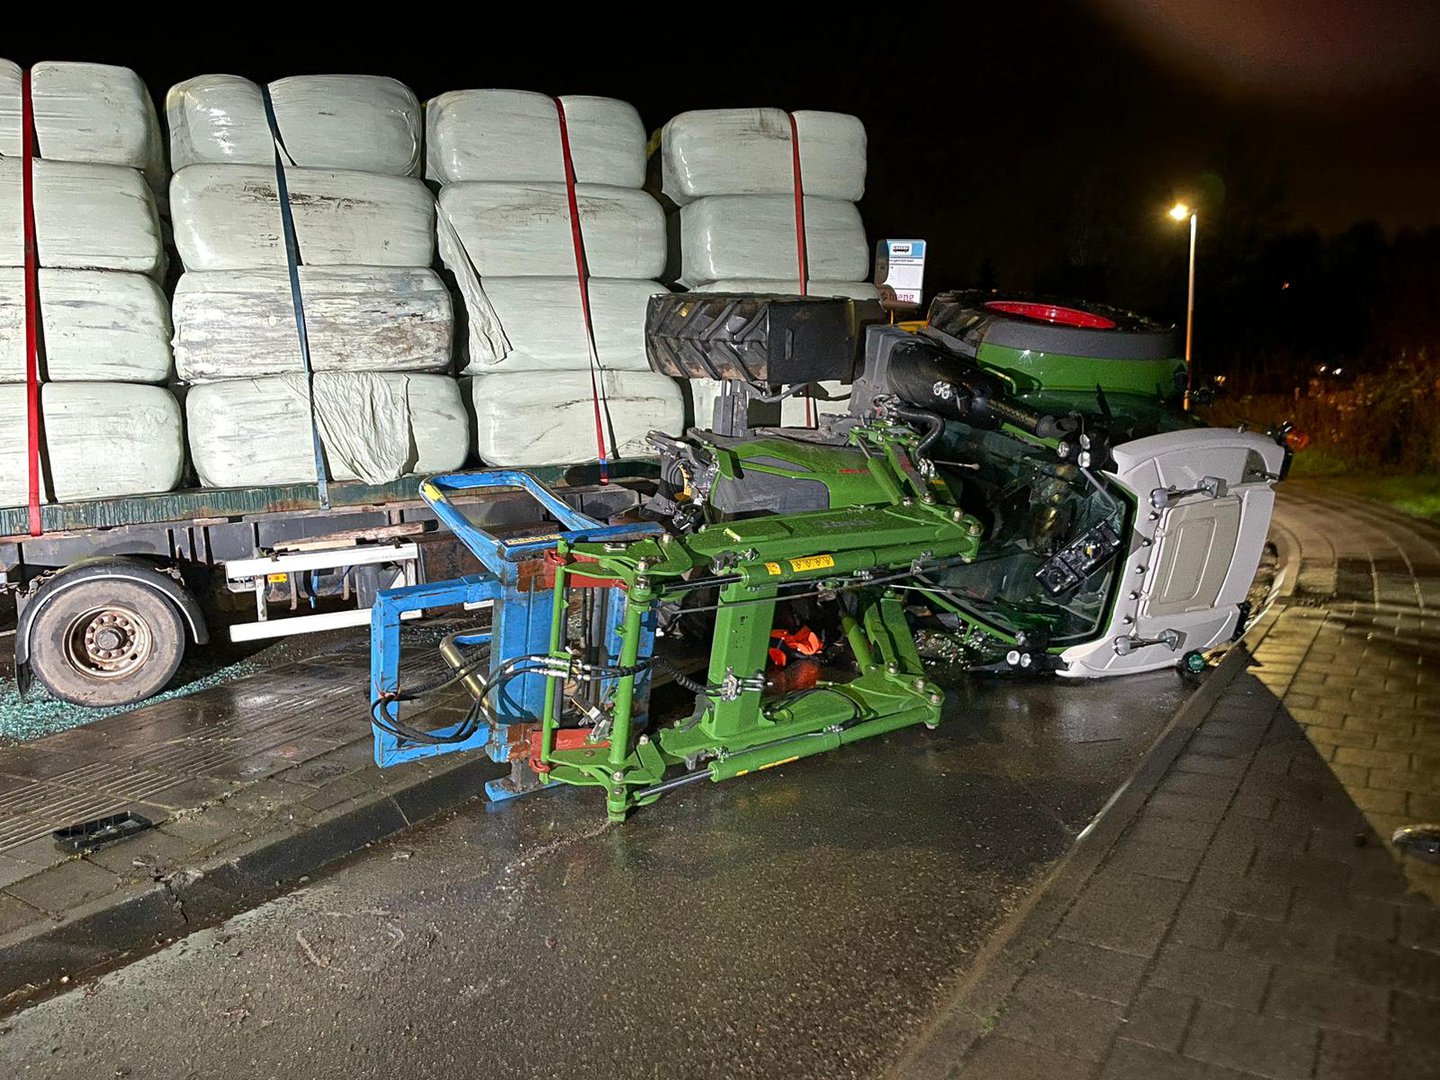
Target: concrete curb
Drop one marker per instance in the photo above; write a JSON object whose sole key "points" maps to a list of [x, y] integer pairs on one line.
{"points": [[144, 915], [1000, 965]]}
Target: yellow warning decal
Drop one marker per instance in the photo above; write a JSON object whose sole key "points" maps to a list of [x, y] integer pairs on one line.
{"points": [[277, 579], [812, 562], [782, 761], [774, 568], [514, 540], [768, 765]]}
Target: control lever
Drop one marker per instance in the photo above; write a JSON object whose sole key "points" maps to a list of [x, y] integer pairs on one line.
{"points": [[1172, 639], [1164, 498]]}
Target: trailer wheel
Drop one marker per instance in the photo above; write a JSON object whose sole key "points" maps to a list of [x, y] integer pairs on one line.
{"points": [[106, 642]]}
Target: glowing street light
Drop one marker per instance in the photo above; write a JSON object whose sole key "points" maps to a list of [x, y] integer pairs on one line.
{"points": [[1180, 212]]}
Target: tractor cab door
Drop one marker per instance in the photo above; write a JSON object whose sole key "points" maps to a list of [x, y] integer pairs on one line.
{"points": [[1203, 499]]}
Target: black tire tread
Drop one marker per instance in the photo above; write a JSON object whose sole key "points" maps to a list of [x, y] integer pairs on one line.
{"points": [[47, 655]]}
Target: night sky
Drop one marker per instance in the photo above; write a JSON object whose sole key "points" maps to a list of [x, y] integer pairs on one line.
{"points": [[1014, 138]]}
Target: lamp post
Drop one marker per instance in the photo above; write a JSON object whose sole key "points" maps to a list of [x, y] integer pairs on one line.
{"points": [[1180, 212]]}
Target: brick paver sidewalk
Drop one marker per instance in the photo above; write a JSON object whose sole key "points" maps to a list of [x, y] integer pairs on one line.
{"points": [[1248, 916]]}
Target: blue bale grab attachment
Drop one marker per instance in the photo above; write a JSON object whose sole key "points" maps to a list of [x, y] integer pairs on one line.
{"points": [[507, 670]]}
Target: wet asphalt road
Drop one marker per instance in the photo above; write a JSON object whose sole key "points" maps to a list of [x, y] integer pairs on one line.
{"points": [[800, 923]]}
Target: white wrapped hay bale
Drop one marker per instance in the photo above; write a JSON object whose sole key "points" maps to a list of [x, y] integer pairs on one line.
{"points": [[514, 135], [543, 321], [855, 290], [241, 323], [102, 440], [753, 236], [364, 122], [749, 152], [374, 427], [99, 326], [94, 113], [523, 230], [227, 217], [87, 217], [523, 420]]}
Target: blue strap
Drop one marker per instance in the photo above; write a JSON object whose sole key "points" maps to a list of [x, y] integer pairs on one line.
{"points": [[292, 260]]}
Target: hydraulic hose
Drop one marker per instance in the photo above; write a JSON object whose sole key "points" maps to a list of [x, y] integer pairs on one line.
{"points": [[932, 423]]}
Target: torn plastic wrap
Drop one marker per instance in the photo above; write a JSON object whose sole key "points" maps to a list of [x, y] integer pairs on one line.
{"points": [[102, 440], [94, 113], [375, 427], [749, 152], [514, 135], [99, 326], [227, 217], [753, 236], [857, 290], [522, 420], [363, 122], [523, 230], [542, 320], [240, 323], [87, 217]]}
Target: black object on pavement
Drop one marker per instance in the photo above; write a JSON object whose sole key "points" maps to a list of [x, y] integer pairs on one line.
{"points": [[91, 835]]}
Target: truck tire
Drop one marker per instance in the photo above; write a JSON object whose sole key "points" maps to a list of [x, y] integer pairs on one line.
{"points": [[106, 642]]}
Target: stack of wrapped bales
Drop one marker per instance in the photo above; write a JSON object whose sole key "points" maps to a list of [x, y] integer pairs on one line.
{"points": [[732, 173], [378, 318], [104, 321], [505, 233]]}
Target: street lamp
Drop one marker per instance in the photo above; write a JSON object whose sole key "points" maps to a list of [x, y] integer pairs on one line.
{"points": [[1180, 212]]}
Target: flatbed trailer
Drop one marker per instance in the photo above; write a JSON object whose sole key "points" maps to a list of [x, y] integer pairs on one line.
{"points": [[112, 592]]}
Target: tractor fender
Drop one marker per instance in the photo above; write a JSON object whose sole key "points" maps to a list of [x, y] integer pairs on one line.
{"points": [[969, 319], [118, 567]]}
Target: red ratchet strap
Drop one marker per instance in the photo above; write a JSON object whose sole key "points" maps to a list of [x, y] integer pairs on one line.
{"points": [[32, 300], [800, 236], [582, 275]]}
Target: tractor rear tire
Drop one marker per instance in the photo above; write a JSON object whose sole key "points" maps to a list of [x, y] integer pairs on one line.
{"points": [[1066, 327]]}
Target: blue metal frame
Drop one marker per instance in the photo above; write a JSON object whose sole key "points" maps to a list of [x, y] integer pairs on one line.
{"points": [[520, 619]]}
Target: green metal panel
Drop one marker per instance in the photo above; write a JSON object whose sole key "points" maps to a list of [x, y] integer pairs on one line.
{"points": [[1040, 373], [743, 625], [852, 478]]}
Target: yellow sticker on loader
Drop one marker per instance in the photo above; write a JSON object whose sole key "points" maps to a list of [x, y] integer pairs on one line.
{"points": [[513, 541], [812, 562], [773, 568]]}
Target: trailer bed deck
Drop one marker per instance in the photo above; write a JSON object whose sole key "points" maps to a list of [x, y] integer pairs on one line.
{"points": [[192, 505]]}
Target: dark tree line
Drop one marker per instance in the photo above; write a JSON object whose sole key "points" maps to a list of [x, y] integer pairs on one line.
{"points": [[1307, 306]]}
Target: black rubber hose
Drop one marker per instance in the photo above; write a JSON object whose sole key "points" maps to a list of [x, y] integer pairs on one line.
{"points": [[681, 679], [931, 422]]}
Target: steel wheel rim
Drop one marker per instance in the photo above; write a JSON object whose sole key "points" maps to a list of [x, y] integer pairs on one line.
{"points": [[109, 642]]}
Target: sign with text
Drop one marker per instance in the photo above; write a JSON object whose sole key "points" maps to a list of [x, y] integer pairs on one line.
{"points": [[900, 272]]}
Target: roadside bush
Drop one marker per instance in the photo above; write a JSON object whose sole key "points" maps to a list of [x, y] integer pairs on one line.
{"points": [[1385, 422]]}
